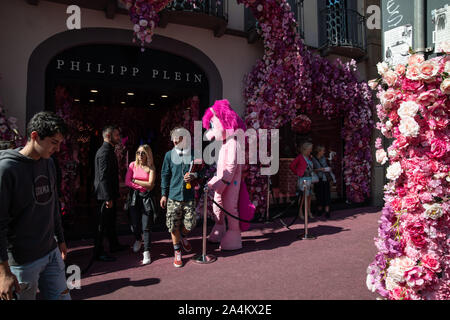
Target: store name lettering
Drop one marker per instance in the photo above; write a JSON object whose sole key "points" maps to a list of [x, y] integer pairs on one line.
{"points": [[88, 67]]}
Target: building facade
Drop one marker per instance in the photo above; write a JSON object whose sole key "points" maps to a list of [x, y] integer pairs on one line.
{"points": [[204, 52]]}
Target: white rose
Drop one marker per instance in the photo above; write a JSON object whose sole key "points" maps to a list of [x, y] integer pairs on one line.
{"points": [[389, 125], [445, 86], [391, 284], [392, 153], [433, 211], [382, 67], [394, 171], [408, 109], [381, 156], [447, 67], [409, 127], [404, 263], [143, 22], [370, 283]]}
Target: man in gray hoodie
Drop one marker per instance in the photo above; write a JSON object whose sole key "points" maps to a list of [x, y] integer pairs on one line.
{"points": [[32, 245]]}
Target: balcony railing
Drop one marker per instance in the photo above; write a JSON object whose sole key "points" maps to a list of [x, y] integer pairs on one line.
{"points": [[342, 31], [209, 7], [208, 14]]}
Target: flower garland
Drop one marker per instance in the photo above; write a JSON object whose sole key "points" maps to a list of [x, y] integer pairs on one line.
{"points": [[144, 15], [301, 124], [290, 79], [68, 155], [413, 260]]}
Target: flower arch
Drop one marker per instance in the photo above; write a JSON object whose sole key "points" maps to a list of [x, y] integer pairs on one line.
{"points": [[288, 80]]}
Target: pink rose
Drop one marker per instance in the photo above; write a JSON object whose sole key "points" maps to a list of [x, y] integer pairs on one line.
{"points": [[401, 191], [390, 78], [401, 142], [416, 59], [427, 98], [417, 277], [400, 293], [417, 234], [388, 97], [410, 202], [438, 149], [431, 263], [400, 69], [428, 70], [413, 72], [394, 117], [411, 85]]}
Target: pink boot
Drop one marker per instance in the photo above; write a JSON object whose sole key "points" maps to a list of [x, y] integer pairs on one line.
{"points": [[232, 239], [217, 233]]}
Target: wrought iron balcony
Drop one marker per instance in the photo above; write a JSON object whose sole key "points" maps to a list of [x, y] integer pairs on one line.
{"points": [[251, 24], [210, 14], [343, 32]]}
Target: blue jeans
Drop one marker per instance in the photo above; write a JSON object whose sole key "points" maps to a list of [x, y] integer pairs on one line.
{"points": [[47, 273]]}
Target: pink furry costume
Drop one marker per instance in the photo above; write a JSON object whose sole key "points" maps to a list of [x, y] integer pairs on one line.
{"points": [[228, 184]]}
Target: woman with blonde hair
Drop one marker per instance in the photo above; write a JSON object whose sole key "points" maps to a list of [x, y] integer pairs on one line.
{"points": [[141, 176]]}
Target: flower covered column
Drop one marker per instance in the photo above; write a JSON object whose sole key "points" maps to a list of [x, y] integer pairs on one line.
{"points": [[413, 240]]}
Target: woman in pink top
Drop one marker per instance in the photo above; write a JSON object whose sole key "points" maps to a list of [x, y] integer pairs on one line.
{"points": [[141, 179]]}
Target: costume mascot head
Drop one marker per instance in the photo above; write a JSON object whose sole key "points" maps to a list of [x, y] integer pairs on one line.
{"points": [[230, 191]]}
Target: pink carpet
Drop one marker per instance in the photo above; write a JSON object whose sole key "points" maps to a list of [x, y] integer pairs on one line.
{"points": [[274, 264]]}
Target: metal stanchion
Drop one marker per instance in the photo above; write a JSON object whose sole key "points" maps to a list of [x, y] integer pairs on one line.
{"points": [[204, 258], [305, 235], [268, 199]]}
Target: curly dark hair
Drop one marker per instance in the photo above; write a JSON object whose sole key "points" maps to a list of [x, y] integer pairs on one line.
{"points": [[46, 124]]}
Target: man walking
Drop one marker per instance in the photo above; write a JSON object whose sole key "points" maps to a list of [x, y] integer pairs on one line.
{"points": [[106, 184], [30, 220], [179, 200]]}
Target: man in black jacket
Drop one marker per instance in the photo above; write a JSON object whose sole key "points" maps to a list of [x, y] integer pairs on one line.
{"points": [[106, 185]]}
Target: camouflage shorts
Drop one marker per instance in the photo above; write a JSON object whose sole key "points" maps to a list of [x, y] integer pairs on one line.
{"points": [[180, 212]]}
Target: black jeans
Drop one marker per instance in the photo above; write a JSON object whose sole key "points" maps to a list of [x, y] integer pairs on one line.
{"points": [[141, 223], [323, 193], [106, 225]]}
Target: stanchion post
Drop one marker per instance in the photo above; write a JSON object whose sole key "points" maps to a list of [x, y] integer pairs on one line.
{"points": [[268, 198], [204, 258], [305, 236]]}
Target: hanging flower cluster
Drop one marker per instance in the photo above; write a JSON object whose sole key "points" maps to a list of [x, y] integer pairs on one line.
{"points": [[68, 156], [413, 241], [289, 80], [144, 15], [301, 124]]}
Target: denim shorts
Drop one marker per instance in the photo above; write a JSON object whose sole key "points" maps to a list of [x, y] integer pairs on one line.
{"points": [[47, 273], [300, 185]]}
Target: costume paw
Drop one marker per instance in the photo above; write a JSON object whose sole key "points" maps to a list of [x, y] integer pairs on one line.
{"points": [[231, 241], [217, 233]]}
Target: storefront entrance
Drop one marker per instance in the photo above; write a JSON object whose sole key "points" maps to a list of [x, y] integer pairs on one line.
{"points": [[145, 94]]}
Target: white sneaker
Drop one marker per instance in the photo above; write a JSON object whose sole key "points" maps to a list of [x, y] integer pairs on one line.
{"points": [[147, 258], [137, 246]]}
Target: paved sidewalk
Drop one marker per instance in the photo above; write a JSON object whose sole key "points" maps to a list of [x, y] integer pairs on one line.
{"points": [[274, 264]]}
